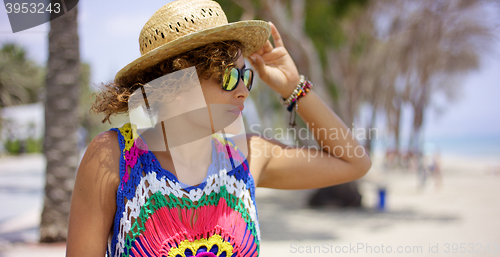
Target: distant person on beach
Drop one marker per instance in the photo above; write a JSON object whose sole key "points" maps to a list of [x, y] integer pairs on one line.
{"points": [[185, 185], [435, 169]]}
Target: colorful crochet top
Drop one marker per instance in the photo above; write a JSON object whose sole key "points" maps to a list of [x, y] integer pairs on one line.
{"points": [[157, 215]]}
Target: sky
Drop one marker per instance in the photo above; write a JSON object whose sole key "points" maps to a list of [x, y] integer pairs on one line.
{"points": [[109, 33]]}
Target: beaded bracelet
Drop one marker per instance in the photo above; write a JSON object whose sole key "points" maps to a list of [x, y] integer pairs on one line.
{"points": [[295, 92], [292, 101]]}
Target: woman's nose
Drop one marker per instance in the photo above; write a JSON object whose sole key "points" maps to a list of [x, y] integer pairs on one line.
{"points": [[241, 90]]}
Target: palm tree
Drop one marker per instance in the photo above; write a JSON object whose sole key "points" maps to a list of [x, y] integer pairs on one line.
{"points": [[61, 123], [431, 43], [20, 78], [447, 44]]}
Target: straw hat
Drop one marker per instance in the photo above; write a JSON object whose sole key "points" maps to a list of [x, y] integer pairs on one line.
{"points": [[183, 25]]}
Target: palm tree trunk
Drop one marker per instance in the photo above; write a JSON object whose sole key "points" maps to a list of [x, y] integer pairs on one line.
{"points": [[61, 123]]}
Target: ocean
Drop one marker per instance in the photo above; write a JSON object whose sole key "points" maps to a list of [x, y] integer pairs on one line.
{"points": [[476, 146]]}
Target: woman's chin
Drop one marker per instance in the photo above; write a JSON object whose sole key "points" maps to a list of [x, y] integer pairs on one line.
{"points": [[236, 126]]}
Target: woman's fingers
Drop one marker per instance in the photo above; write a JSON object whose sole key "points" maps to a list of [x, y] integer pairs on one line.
{"points": [[260, 51], [278, 42], [268, 47], [258, 63]]}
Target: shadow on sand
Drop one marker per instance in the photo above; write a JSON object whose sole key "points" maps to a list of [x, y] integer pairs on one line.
{"points": [[284, 215]]}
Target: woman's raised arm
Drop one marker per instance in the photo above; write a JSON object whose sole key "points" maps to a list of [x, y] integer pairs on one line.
{"points": [[341, 157]]}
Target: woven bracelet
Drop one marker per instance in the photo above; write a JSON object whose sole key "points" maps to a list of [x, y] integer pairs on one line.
{"points": [[292, 102]]}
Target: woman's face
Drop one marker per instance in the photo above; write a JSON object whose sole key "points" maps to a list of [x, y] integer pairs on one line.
{"points": [[225, 106], [214, 94], [205, 105]]}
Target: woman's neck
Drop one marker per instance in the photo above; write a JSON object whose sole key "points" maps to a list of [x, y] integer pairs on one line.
{"points": [[175, 144]]}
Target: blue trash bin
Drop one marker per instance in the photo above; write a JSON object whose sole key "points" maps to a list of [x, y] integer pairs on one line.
{"points": [[381, 198]]}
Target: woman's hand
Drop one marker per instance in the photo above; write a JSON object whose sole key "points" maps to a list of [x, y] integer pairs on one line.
{"points": [[275, 66]]}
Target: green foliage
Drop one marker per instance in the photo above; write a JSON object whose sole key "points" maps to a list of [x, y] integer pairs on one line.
{"points": [[18, 146], [342, 8], [324, 22], [232, 10], [20, 78], [34, 145], [13, 146], [333, 90]]}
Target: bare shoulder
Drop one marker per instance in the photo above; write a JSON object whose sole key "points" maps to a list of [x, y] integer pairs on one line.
{"points": [[101, 162], [93, 203], [107, 139], [103, 153]]}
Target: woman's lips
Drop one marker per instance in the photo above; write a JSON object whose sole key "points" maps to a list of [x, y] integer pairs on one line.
{"points": [[237, 110]]}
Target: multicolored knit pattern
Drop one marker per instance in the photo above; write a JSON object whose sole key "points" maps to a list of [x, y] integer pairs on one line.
{"points": [[156, 216]]}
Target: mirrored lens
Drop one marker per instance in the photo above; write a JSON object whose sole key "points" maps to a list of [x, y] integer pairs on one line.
{"points": [[248, 78], [231, 79]]}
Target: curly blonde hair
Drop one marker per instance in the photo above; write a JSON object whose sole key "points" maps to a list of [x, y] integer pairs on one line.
{"points": [[210, 61]]}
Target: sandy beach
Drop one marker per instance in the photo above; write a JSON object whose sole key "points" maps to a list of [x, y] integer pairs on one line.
{"points": [[459, 218]]}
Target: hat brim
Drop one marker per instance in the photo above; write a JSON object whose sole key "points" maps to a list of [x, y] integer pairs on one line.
{"points": [[251, 34]]}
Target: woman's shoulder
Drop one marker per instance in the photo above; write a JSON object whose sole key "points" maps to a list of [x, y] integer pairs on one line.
{"points": [[103, 156], [107, 139]]}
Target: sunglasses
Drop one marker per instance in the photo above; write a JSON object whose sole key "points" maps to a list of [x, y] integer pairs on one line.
{"points": [[232, 78]]}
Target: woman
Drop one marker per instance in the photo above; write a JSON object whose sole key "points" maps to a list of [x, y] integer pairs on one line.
{"points": [[183, 187]]}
